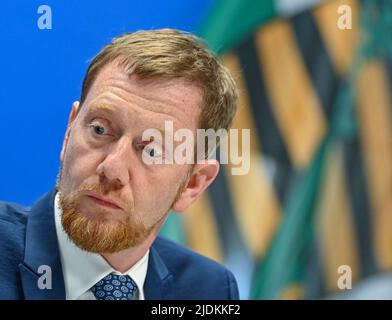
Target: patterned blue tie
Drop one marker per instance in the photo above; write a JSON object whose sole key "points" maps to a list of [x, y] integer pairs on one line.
{"points": [[115, 287]]}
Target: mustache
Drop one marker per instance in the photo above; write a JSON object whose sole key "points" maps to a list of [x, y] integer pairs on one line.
{"points": [[127, 204]]}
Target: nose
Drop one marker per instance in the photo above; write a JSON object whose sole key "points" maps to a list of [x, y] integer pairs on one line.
{"points": [[115, 167]]}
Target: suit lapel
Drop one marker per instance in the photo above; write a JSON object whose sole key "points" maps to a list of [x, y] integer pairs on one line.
{"points": [[42, 256], [159, 282], [42, 251]]}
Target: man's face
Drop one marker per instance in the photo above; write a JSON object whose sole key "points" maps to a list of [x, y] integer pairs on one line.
{"points": [[110, 198]]}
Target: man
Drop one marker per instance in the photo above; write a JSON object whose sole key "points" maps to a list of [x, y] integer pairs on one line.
{"points": [[95, 236]]}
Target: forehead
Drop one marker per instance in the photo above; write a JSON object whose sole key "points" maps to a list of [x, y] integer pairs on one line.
{"points": [[146, 100]]}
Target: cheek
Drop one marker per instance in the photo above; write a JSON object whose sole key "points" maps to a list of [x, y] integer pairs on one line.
{"points": [[156, 194], [79, 163]]}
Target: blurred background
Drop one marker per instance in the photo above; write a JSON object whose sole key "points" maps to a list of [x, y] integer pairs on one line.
{"points": [[313, 217]]}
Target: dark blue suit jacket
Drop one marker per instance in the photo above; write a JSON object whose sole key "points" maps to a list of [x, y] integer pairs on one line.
{"points": [[28, 240]]}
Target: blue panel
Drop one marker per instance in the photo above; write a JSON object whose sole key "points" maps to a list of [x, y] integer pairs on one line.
{"points": [[42, 71]]}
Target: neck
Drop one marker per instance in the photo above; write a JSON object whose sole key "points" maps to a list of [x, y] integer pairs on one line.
{"points": [[123, 260]]}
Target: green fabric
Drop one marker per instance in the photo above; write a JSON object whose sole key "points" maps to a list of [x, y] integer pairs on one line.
{"points": [[173, 228], [282, 265], [231, 21]]}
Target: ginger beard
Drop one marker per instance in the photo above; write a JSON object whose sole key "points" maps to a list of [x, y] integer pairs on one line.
{"points": [[101, 236]]}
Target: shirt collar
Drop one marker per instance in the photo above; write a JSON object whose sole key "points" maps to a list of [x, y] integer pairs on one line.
{"points": [[82, 269]]}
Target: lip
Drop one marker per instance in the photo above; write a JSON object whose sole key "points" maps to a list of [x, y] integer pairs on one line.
{"points": [[104, 201]]}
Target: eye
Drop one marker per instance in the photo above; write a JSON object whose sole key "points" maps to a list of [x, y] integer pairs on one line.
{"points": [[98, 129], [152, 151]]}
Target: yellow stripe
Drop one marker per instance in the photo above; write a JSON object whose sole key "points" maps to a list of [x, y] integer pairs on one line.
{"points": [[201, 230], [294, 291], [376, 132], [341, 44], [255, 203], [244, 116], [295, 104], [334, 223]]}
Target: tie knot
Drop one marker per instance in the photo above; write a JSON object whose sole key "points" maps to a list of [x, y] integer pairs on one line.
{"points": [[115, 287]]}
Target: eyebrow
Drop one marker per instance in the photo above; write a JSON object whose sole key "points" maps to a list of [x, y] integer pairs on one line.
{"points": [[108, 108], [102, 107], [162, 131]]}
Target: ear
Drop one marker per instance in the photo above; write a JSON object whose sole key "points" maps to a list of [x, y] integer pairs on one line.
{"points": [[71, 118], [202, 176]]}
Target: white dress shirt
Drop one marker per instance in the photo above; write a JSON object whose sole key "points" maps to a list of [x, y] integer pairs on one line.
{"points": [[82, 269]]}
